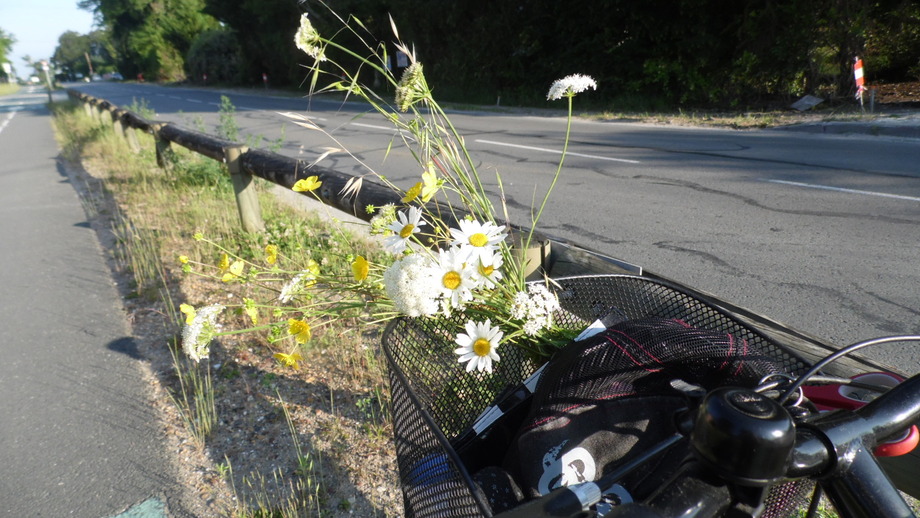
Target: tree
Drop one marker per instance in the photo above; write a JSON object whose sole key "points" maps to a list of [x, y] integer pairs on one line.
{"points": [[84, 54], [265, 31], [6, 46], [217, 54], [152, 36]]}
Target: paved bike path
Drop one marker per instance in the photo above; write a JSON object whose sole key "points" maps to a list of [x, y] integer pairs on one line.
{"points": [[78, 435]]}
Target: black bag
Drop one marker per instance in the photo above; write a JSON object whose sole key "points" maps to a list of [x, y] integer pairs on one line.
{"points": [[605, 399]]}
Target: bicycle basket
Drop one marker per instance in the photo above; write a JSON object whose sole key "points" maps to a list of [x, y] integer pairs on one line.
{"points": [[436, 402]]}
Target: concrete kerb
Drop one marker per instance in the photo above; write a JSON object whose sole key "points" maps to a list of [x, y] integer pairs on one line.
{"points": [[905, 125]]}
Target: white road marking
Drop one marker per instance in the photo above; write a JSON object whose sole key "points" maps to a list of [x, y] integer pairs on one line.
{"points": [[371, 126], [843, 189], [556, 151], [9, 117]]}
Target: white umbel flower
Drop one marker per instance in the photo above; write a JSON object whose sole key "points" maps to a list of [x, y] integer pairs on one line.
{"points": [[406, 224], [413, 284], [478, 344], [535, 307], [197, 336], [308, 40], [568, 86]]}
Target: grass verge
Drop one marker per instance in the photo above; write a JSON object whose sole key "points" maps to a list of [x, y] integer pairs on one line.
{"points": [[253, 438]]}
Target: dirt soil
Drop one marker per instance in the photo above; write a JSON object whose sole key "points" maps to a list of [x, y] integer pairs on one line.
{"points": [[898, 93]]}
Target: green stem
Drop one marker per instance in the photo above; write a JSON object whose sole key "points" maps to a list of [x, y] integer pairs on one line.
{"points": [[565, 147]]}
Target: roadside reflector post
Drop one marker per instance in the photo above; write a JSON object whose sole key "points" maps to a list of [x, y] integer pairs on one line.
{"points": [[244, 187], [860, 79]]}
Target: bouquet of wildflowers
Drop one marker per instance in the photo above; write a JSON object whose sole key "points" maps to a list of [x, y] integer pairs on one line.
{"points": [[446, 250]]}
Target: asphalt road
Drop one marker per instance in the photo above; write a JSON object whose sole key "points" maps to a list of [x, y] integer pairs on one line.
{"points": [[818, 231], [78, 436]]}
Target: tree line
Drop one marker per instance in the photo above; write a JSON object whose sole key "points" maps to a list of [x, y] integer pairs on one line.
{"points": [[648, 55]]}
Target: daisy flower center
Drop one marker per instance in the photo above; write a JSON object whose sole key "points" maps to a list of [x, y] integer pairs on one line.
{"points": [[479, 239], [406, 231], [482, 347], [486, 270], [451, 280]]}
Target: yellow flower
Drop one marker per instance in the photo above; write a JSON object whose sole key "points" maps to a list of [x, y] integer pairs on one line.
{"points": [[189, 313], [183, 259], [300, 330], [412, 193], [235, 270], [249, 307], [224, 263], [431, 184], [289, 360], [313, 272], [308, 184], [271, 254], [360, 268]]}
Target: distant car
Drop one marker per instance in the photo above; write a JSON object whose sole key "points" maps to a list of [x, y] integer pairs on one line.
{"points": [[35, 80]]}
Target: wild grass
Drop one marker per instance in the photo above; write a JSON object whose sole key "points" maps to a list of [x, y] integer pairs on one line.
{"points": [[156, 216], [194, 397], [8, 89]]}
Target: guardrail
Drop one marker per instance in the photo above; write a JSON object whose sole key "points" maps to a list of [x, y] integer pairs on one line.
{"points": [[555, 257], [242, 162]]}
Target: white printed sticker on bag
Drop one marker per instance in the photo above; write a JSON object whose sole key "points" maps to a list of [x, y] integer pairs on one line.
{"points": [[563, 469]]}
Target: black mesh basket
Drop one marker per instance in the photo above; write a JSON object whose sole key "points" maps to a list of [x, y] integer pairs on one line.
{"points": [[435, 401]]}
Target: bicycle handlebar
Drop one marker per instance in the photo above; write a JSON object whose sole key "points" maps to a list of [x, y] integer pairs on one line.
{"points": [[743, 442]]}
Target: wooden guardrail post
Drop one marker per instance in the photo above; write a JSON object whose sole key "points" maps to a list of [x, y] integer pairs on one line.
{"points": [[131, 137], [87, 107], [162, 145], [247, 199], [116, 122], [95, 110]]}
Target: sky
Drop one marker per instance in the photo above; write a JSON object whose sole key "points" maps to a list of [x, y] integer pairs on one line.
{"points": [[37, 24]]}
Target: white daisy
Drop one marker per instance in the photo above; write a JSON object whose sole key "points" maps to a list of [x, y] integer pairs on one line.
{"points": [[413, 284], [478, 344], [488, 270], [405, 226], [456, 278], [197, 336], [568, 86], [477, 239]]}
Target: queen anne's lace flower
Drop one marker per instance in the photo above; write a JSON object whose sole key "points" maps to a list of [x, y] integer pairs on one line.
{"points": [[413, 284], [568, 86], [297, 285], [197, 335], [308, 40], [535, 308], [478, 344]]}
